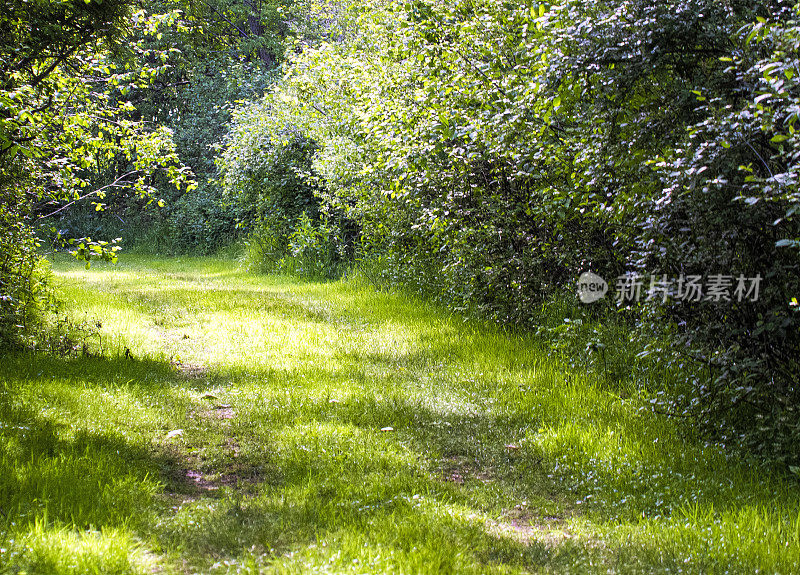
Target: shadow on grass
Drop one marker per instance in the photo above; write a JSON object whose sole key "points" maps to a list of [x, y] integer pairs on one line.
{"points": [[143, 375], [71, 449], [328, 474], [325, 470], [333, 457], [56, 468]]}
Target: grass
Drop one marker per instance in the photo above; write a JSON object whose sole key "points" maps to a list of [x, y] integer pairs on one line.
{"points": [[243, 424]]}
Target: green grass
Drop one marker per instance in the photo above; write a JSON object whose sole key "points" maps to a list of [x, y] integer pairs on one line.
{"points": [[500, 458]]}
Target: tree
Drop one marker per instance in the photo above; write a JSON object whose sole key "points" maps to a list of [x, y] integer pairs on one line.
{"points": [[223, 51], [65, 136]]}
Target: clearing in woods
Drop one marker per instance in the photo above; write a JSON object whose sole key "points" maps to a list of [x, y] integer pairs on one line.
{"points": [[223, 422]]}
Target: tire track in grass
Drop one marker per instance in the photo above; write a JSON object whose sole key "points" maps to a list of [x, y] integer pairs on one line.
{"points": [[201, 476]]}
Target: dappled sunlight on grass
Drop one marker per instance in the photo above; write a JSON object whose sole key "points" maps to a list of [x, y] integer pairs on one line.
{"points": [[239, 423]]}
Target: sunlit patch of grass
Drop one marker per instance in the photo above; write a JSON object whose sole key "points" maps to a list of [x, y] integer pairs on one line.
{"points": [[47, 548], [329, 427]]}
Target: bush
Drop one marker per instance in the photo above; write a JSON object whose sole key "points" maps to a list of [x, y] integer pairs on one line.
{"points": [[268, 177], [202, 221], [267, 245], [24, 298], [312, 249]]}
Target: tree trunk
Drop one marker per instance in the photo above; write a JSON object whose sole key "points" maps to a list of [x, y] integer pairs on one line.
{"points": [[257, 30]]}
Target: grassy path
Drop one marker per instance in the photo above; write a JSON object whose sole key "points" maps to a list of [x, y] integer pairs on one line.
{"points": [[243, 424]]}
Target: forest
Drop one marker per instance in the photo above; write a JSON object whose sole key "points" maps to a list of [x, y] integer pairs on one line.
{"points": [[549, 251]]}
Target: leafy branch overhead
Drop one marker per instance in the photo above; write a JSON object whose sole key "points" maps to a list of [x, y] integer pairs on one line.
{"points": [[68, 134]]}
